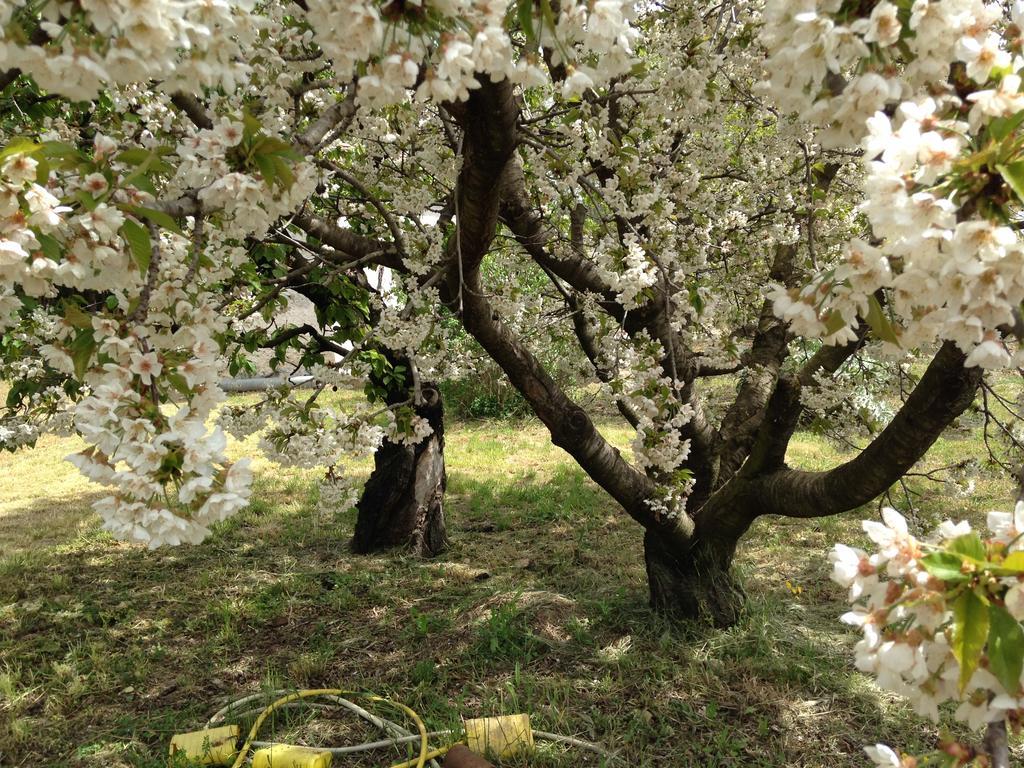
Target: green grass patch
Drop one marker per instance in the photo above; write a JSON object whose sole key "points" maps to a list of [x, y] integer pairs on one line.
{"points": [[539, 606]]}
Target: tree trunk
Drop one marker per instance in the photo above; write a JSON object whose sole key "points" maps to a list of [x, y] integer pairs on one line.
{"points": [[402, 502], [696, 583]]}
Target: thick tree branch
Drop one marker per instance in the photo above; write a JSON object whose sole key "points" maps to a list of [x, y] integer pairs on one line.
{"points": [[356, 184], [785, 407], [535, 235], [488, 122], [360, 248], [679, 363], [829, 359], [945, 390], [707, 369], [193, 108], [323, 343], [335, 117], [570, 427], [767, 352]]}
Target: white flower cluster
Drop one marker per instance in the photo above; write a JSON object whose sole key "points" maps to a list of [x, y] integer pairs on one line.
{"points": [[629, 272], [153, 342], [437, 48], [94, 43], [853, 396], [17, 432], [940, 618], [320, 437], [337, 493], [241, 421], [938, 189], [407, 428], [247, 202], [837, 63], [640, 384]]}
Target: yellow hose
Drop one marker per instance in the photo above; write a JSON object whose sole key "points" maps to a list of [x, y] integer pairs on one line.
{"points": [[418, 762]]}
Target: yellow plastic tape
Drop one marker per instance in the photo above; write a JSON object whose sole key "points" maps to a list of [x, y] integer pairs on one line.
{"points": [[286, 756], [212, 746], [502, 736]]}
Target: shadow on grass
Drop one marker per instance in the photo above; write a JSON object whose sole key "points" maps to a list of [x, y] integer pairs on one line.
{"points": [[539, 606]]}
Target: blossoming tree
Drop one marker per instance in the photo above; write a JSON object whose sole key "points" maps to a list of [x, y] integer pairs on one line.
{"points": [[707, 191]]}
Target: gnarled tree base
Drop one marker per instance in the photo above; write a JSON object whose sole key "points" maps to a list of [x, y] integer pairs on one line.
{"points": [[696, 585], [402, 502]]}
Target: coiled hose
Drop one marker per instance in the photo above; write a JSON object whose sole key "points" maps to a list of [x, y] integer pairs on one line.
{"points": [[401, 735]]}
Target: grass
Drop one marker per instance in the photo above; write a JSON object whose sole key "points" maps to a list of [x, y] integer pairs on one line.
{"points": [[107, 649]]}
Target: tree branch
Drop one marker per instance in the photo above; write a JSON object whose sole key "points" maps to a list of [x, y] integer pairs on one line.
{"points": [[946, 389], [339, 114], [193, 108], [767, 352], [348, 242]]}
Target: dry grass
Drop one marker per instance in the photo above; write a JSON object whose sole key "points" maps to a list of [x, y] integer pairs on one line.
{"points": [[539, 606]]}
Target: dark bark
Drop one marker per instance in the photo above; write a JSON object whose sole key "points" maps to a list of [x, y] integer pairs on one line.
{"points": [[694, 579], [946, 389], [193, 108], [696, 582], [768, 351], [403, 501]]}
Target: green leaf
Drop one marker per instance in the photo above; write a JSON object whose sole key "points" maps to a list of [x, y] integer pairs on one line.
{"points": [[944, 565], [42, 171], [525, 13], [970, 631], [135, 156], [283, 172], [81, 351], [140, 180], [250, 126], [1002, 127], [68, 154], [1005, 648], [880, 323], [88, 201], [19, 146], [269, 145], [547, 14], [76, 318], [17, 392], [834, 322], [969, 544], [177, 381], [1014, 561], [159, 218], [1013, 174], [266, 165], [139, 242], [50, 246]]}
